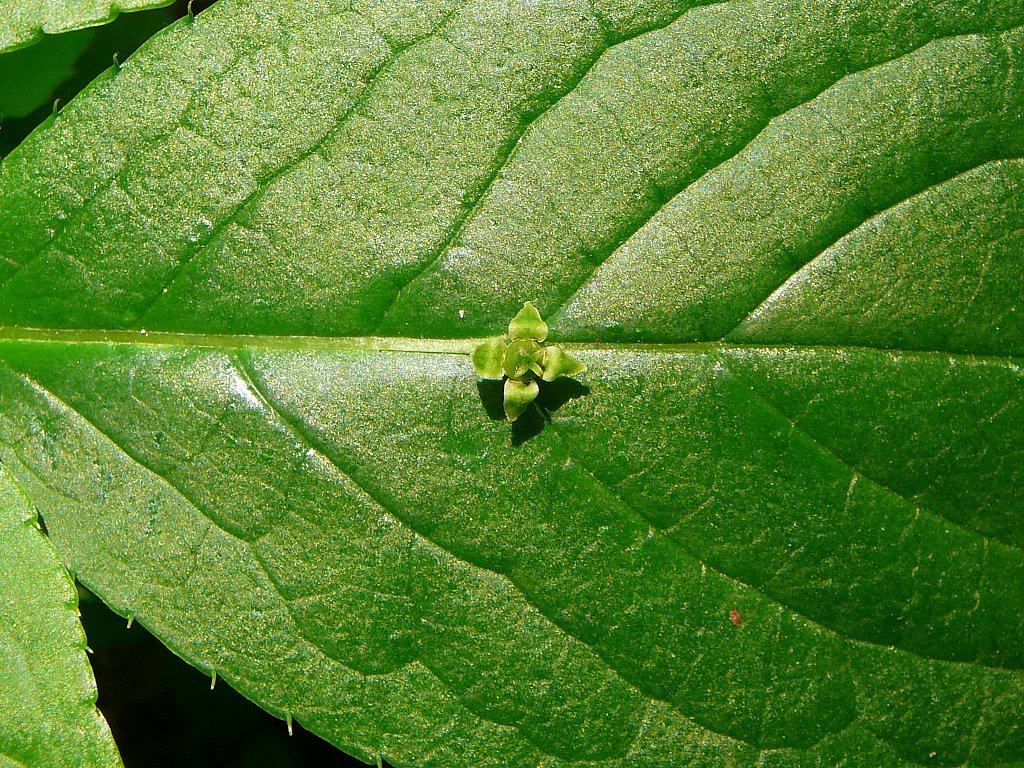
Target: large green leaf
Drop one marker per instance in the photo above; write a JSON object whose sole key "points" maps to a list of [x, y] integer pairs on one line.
{"points": [[782, 528], [48, 715]]}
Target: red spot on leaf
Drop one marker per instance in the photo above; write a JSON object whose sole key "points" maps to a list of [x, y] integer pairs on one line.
{"points": [[735, 617]]}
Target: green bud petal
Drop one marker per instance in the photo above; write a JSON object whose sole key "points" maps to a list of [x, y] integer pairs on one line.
{"points": [[528, 324], [518, 397], [521, 357], [558, 362], [488, 358]]}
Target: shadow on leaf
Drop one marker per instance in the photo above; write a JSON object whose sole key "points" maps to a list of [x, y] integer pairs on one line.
{"points": [[553, 395], [491, 394]]}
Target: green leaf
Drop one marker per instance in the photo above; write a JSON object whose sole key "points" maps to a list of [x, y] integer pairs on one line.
{"points": [[784, 526], [48, 715], [26, 21]]}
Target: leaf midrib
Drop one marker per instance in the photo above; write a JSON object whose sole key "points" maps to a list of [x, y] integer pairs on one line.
{"points": [[436, 346]]}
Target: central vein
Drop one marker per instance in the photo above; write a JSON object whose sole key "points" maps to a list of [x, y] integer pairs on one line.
{"points": [[238, 341], [230, 341], [300, 343]]}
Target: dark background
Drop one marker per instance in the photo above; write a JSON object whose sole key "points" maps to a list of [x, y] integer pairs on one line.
{"points": [[162, 711]]}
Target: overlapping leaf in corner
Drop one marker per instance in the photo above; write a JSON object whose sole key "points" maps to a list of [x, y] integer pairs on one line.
{"points": [[522, 357], [48, 715]]}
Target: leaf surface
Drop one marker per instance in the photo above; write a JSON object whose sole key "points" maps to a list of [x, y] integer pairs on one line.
{"points": [[48, 715], [782, 527]]}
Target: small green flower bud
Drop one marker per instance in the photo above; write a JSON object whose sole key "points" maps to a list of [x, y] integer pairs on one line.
{"points": [[523, 356]]}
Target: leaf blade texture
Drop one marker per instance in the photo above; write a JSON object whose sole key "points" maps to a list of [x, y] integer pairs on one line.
{"points": [[782, 239]]}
